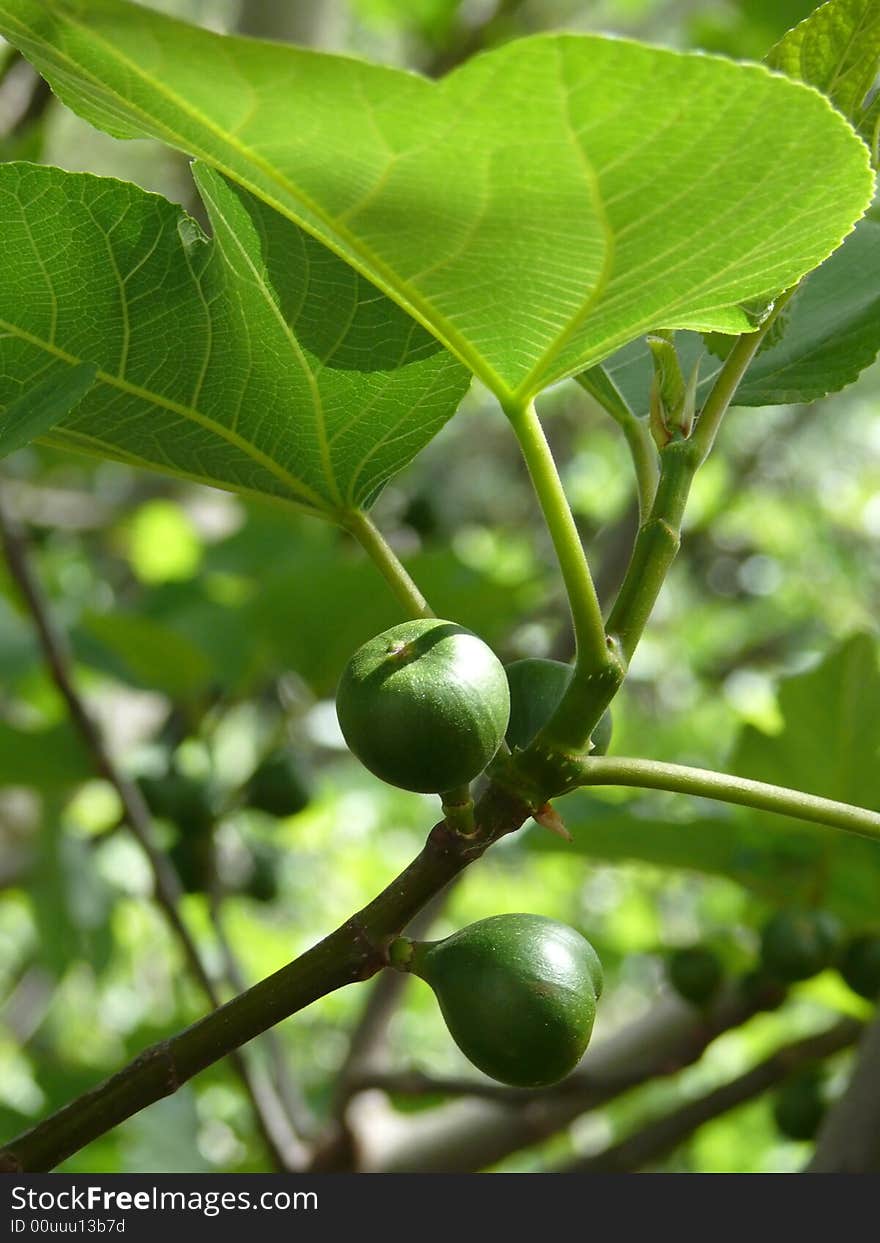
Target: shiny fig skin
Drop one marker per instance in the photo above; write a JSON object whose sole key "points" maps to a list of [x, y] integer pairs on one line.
{"points": [[424, 705], [518, 993]]}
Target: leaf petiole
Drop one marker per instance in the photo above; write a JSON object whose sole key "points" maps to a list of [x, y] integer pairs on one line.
{"points": [[723, 787], [386, 560]]}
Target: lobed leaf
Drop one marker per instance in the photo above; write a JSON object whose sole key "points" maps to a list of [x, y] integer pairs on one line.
{"points": [[256, 361], [539, 207], [831, 334]]}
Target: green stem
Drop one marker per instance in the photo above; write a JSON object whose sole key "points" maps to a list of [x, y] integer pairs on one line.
{"points": [[643, 452], [659, 537], [387, 562], [458, 810], [656, 546], [589, 629], [704, 783], [355, 951], [728, 381], [637, 432]]}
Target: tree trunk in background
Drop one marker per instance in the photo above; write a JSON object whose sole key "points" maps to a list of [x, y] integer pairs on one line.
{"points": [[311, 23], [849, 1140]]}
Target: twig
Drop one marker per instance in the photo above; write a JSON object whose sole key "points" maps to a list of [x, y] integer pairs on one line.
{"points": [[366, 1046], [659, 1137], [598, 383], [355, 951], [722, 787], [166, 885], [849, 1139]]}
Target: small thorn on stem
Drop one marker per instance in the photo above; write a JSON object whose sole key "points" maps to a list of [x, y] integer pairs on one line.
{"points": [[549, 818]]}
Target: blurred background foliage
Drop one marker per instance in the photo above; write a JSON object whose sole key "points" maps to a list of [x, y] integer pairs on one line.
{"points": [[209, 632]]}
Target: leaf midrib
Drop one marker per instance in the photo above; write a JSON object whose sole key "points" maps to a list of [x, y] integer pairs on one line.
{"points": [[352, 248]]}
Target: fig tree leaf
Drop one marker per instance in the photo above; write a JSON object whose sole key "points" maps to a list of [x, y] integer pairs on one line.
{"points": [[47, 759], [829, 745], [255, 361], [837, 50], [542, 205], [144, 653], [830, 335], [830, 740], [43, 406]]}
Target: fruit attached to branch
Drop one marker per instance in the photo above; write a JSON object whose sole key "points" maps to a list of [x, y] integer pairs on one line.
{"points": [[518, 993], [424, 705], [536, 690]]}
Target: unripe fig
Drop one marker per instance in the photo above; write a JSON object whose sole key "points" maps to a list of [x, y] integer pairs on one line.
{"points": [[800, 1106], [695, 973], [536, 690], [185, 801], [278, 786], [424, 705], [518, 993], [192, 857], [262, 883], [798, 944], [860, 965]]}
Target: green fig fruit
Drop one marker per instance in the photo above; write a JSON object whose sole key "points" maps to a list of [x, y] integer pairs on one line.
{"points": [[424, 705], [800, 1106], [185, 801], [536, 690], [798, 944], [860, 965], [518, 993], [278, 786], [695, 973]]}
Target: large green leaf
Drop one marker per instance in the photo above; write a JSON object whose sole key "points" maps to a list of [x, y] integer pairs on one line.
{"points": [[829, 745], [535, 210], [837, 49], [43, 406], [831, 333], [257, 361]]}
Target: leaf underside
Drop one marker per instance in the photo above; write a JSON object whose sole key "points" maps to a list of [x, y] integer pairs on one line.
{"points": [[256, 361], [837, 50], [535, 210], [831, 334], [43, 406]]}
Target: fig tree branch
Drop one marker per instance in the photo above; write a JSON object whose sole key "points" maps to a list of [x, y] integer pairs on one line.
{"points": [[661, 1136], [722, 787], [355, 951], [53, 643]]}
